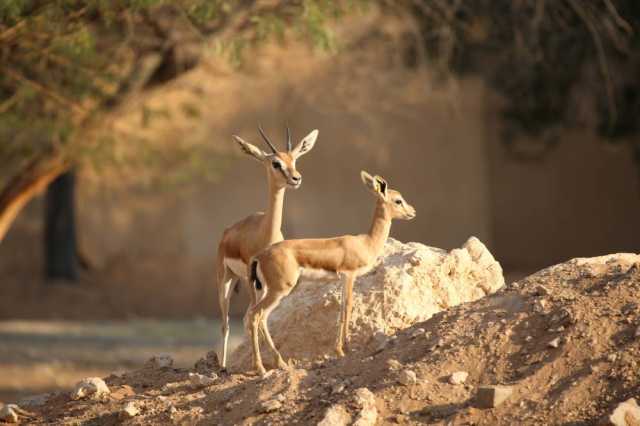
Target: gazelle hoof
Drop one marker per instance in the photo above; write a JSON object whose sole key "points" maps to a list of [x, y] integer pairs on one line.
{"points": [[340, 352], [261, 371], [282, 364]]}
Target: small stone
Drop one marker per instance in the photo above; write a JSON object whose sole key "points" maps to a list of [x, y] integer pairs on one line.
{"points": [[541, 290], [368, 414], [492, 396], [8, 414], [92, 387], [337, 388], [555, 343], [627, 413], [394, 364], [129, 410], [458, 378], [199, 380], [160, 361], [528, 339], [417, 332], [612, 357], [380, 341], [336, 415], [408, 378], [209, 363], [270, 406]]}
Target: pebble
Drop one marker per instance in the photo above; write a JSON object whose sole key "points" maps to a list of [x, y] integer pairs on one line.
{"points": [[160, 361], [8, 413], [408, 378], [612, 357], [394, 364], [368, 414], [492, 396], [555, 343], [270, 406], [336, 415], [129, 410], [458, 378], [417, 332], [93, 387], [200, 380], [627, 413]]}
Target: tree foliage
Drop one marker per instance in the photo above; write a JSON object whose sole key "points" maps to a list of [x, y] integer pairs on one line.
{"points": [[550, 59], [65, 63]]}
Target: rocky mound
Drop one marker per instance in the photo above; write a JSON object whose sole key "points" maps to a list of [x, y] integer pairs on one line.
{"points": [[559, 347], [410, 284]]}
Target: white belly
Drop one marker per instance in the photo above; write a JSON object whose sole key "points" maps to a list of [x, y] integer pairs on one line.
{"points": [[237, 266], [311, 274]]}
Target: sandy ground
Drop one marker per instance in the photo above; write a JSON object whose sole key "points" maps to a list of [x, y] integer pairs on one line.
{"points": [[44, 356]]}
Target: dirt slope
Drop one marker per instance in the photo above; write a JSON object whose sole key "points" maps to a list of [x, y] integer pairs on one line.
{"points": [[591, 305]]}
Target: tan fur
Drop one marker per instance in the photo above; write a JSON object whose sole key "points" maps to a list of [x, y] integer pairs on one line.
{"points": [[249, 236], [281, 265]]}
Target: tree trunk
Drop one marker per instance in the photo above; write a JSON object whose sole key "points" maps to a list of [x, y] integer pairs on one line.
{"points": [[61, 261], [31, 180]]}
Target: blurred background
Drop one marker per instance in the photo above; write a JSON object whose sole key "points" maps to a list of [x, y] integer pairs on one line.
{"points": [[514, 121]]}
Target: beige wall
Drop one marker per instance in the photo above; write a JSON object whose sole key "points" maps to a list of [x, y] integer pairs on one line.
{"points": [[154, 249]]}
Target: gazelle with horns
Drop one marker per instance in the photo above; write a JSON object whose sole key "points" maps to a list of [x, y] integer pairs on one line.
{"points": [[278, 268], [255, 232]]}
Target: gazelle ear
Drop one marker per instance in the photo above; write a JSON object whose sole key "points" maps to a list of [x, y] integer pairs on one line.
{"points": [[369, 181], [305, 145], [252, 150], [382, 186]]}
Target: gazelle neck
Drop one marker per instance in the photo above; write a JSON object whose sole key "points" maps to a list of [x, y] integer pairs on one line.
{"points": [[380, 227], [273, 215]]}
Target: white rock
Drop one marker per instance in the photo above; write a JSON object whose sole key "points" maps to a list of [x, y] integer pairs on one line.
{"points": [[129, 410], [395, 296], [8, 414], [458, 378], [368, 414], [200, 380], [91, 387], [417, 332], [627, 413], [407, 378], [160, 361], [394, 364], [270, 405], [336, 415], [492, 396], [554, 343]]}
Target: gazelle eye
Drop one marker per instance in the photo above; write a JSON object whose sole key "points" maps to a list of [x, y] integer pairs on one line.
{"points": [[399, 202], [276, 165]]}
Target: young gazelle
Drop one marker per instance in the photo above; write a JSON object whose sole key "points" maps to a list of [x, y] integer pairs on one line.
{"points": [[255, 232], [279, 267]]}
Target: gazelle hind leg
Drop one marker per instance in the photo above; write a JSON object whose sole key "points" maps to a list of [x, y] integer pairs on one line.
{"points": [[345, 313], [265, 330], [258, 321]]}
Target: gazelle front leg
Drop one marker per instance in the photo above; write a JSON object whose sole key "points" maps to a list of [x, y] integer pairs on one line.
{"points": [[224, 298], [345, 312]]}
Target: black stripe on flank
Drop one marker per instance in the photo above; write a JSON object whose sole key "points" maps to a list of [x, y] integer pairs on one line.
{"points": [[254, 275]]}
